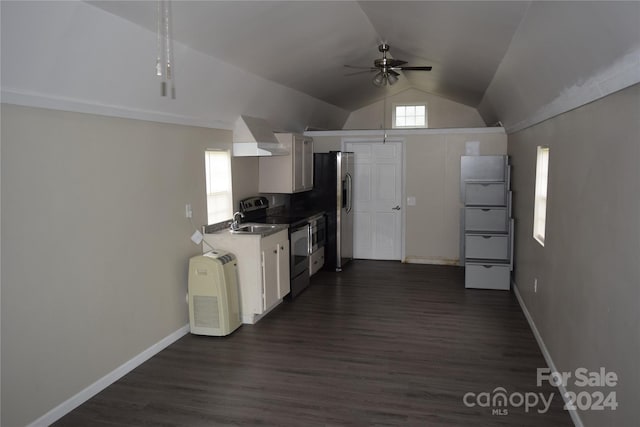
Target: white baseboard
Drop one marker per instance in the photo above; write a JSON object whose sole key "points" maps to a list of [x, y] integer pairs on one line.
{"points": [[575, 417], [433, 261], [104, 382]]}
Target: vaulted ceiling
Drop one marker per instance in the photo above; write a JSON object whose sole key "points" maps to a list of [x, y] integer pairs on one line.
{"points": [[304, 45], [519, 62]]}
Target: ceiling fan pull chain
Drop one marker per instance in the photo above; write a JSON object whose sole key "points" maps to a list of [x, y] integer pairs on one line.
{"points": [[384, 119]]}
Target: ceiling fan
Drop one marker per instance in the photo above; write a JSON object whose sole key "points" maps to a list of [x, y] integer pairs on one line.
{"points": [[387, 68]]}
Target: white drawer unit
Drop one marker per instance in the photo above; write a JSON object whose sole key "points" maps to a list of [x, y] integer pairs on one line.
{"points": [[486, 219], [486, 225], [486, 168], [316, 261], [485, 194], [487, 246], [487, 276]]}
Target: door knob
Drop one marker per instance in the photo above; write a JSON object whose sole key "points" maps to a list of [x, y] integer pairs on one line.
{"points": [[397, 208]]}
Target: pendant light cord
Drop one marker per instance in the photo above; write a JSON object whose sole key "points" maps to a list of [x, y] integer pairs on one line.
{"points": [[164, 45], [384, 119]]}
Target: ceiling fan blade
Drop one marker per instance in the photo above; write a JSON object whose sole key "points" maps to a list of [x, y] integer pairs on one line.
{"points": [[361, 68], [361, 72], [413, 68], [395, 62]]}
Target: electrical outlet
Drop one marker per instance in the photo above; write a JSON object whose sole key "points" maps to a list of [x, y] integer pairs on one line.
{"points": [[535, 285], [197, 237], [187, 210]]}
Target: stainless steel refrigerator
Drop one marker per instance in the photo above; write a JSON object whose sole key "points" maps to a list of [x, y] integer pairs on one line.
{"points": [[333, 179], [333, 193]]}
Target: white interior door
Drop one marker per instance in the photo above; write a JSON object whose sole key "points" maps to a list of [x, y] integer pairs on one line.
{"points": [[377, 200]]}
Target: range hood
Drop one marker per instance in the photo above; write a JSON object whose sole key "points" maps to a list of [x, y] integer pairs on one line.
{"points": [[253, 137]]}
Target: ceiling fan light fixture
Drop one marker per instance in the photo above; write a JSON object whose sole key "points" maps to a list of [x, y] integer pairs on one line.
{"points": [[379, 79], [392, 77], [386, 68]]}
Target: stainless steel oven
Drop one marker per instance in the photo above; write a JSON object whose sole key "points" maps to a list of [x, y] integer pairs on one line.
{"points": [[317, 232], [299, 250], [255, 210]]}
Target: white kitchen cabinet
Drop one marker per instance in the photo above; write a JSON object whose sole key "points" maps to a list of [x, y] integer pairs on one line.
{"points": [[288, 174], [275, 261], [263, 269], [316, 261]]}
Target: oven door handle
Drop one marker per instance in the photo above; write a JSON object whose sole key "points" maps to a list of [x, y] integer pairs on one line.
{"points": [[310, 240]]}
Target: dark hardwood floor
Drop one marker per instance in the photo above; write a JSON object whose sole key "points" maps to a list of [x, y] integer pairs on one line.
{"points": [[380, 344]]}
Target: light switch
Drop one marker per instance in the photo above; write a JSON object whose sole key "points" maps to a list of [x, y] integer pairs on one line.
{"points": [[411, 201]]}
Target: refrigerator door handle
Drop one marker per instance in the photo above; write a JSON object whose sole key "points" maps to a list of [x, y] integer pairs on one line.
{"points": [[349, 192]]}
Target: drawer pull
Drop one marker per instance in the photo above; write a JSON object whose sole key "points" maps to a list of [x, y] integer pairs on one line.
{"points": [[486, 237], [487, 266], [486, 210]]}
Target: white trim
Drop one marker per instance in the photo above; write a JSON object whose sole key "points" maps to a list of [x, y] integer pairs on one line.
{"points": [[403, 178], [431, 261], [38, 100], [405, 132], [395, 105], [379, 139], [575, 417], [79, 398], [618, 76]]}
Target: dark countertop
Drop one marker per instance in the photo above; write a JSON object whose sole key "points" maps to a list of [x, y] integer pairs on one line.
{"points": [[292, 220]]}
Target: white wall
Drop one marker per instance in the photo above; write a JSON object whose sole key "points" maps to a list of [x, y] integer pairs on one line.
{"points": [[564, 55], [95, 246], [70, 56], [432, 176], [441, 112], [586, 304]]}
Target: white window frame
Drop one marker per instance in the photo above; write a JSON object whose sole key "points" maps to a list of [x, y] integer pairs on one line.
{"points": [[540, 195], [218, 186], [409, 104]]}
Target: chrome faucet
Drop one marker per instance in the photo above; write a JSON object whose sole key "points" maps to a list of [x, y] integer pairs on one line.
{"points": [[236, 223]]}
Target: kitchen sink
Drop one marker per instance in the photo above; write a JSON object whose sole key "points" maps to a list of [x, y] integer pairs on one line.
{"points": [[257, 229]]}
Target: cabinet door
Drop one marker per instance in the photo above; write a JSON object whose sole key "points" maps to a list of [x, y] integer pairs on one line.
{"points": [[284, 280], [269, 276], [307, 164], [298, 163]]}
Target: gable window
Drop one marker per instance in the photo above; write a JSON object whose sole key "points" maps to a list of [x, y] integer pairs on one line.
{"points": [[218, 184], [410, 116], [540, 202]]}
